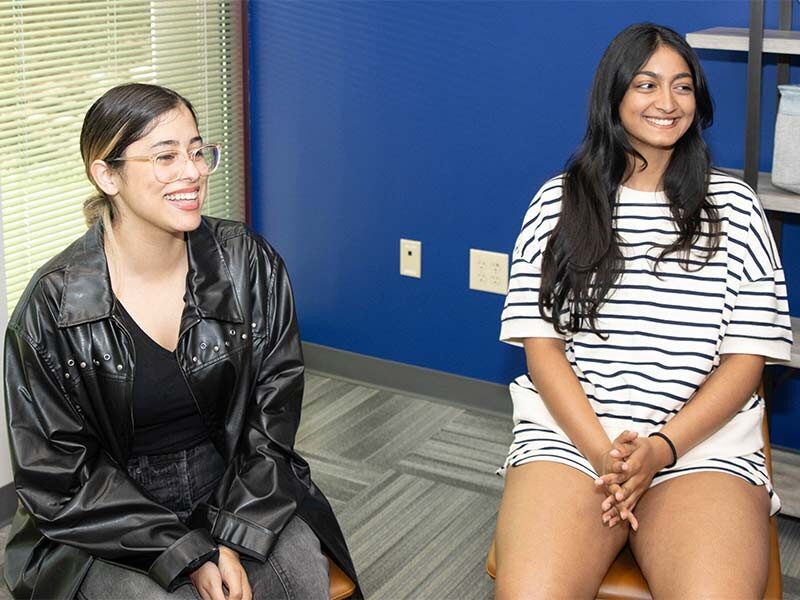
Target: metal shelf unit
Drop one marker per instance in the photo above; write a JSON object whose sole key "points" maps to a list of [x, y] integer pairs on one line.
{"points": [[756, 41]]}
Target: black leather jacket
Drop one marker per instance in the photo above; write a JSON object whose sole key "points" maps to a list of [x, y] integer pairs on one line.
{"points": [[69, 367]]}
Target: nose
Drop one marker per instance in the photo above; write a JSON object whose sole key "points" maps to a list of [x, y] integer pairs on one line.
{"points": [[190, 170], [665, 101]]}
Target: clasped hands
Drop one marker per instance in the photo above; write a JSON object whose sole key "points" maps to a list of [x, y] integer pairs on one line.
{"points": [[626, 470]]}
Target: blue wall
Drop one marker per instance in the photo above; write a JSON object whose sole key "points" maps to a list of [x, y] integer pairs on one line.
{"points": [[437, 121]]}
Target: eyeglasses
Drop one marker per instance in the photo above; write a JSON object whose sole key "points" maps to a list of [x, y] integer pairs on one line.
{"points": [[169, 165]]}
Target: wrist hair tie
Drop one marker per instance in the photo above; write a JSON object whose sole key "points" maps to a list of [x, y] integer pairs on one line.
{"points": [[671, 447]]}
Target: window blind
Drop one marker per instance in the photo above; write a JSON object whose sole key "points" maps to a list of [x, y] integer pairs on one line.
{"points": [[57, 58]]}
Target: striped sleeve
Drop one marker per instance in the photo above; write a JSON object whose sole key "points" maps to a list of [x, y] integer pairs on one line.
{"points": [[521, 317], [760, 322]]}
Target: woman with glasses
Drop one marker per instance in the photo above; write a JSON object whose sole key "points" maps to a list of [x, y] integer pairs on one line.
{"points": [[154, 379], [647, 292]]}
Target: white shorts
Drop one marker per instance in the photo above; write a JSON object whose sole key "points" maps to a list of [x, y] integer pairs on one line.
{"points": [[533, 442]]}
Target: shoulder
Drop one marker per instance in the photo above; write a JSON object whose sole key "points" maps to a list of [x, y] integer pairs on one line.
{"points": [[243, 248], [235, 234], [728, 192], [549, 194], [540, 219], [41, 299], [545, 206]]}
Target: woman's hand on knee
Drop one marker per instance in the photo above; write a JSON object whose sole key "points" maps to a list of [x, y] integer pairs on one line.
{"points": [[208, 581], [233, 575]]}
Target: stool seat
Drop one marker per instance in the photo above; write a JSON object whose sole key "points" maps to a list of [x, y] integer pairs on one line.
{"points": [[341, 586]]}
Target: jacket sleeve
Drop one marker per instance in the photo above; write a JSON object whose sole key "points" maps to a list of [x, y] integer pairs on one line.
{"points": [[73, 490], [266, 480]]}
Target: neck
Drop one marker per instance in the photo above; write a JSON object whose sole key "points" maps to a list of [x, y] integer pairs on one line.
{"points": [[649, 178], [141, 257]]}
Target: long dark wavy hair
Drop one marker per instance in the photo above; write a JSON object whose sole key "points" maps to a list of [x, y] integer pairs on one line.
{"points": [[582, 259]]}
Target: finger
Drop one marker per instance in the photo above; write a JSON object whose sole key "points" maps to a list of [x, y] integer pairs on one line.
{"points": [[608, 503], [232, 578], [247, 591], [626, 437], [606, 481], [621, 451], [611, 479], [624, 446], [627, 515], [215, 591], [617, 466]]}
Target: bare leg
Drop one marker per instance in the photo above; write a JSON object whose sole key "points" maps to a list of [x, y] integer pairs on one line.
{"points": [[550, 541], [704, 535]]}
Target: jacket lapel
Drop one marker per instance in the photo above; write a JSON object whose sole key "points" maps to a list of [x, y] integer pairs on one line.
{"points": [[88, 295]]}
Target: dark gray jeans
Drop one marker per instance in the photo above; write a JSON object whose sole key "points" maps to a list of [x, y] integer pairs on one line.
{"points": [[296, 569]]}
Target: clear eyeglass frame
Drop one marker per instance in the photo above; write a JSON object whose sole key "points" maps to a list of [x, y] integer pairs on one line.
{"points": [[170, 165]]}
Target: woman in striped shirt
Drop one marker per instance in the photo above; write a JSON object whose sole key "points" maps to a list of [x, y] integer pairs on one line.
{"points": [[647, 292]]}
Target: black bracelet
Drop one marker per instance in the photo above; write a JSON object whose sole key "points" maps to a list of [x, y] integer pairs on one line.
{"points": [[671, 447]]}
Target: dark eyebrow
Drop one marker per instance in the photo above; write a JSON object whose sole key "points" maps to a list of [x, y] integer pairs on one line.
{"points": [[176, 142], [657, 76]]}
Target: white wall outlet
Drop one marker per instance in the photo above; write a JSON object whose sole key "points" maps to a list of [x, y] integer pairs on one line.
{"points": [[488, 271], [411, 258]]}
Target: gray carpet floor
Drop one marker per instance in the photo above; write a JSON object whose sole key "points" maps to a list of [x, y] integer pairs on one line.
{"points": [[412, 482]]}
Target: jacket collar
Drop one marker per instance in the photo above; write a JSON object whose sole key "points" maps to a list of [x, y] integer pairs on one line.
{"points": [[87, 294]]}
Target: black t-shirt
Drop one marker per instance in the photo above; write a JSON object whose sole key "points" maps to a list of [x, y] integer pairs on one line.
{"points": [[165, 415]]}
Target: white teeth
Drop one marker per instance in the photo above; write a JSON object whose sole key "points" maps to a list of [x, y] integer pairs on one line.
{"points": [[663, 122], [191, 196]]}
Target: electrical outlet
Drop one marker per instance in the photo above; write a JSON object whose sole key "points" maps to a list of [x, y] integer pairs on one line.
{"points": [[488, 271], [411, 258]]}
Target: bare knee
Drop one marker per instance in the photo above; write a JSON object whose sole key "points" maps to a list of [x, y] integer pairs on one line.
{"points": [[508, 588], [521, 580], [713, 589]]}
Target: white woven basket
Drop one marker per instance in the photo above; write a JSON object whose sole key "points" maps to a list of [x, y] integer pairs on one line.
{"points": [[786, 157]]}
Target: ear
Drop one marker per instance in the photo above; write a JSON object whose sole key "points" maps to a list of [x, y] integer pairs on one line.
{"points": [[104, 177]]}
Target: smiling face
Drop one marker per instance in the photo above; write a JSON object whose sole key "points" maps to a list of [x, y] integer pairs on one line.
{"points": [[146, 204], [659, 105]]}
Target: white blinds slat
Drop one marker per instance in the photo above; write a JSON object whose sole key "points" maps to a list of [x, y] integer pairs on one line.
{"points": [[56, 58]]}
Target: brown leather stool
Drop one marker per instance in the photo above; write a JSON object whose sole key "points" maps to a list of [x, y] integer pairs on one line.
{"points": [[341, 586], [624, 580]]}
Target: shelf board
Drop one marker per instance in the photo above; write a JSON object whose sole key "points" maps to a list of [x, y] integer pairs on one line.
{"points": [[772, 198], [795, 360], [776, 41]]}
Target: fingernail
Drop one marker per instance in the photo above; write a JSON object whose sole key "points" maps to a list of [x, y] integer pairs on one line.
{"points": [[614, 453], [598, 481], [624, 466]]}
